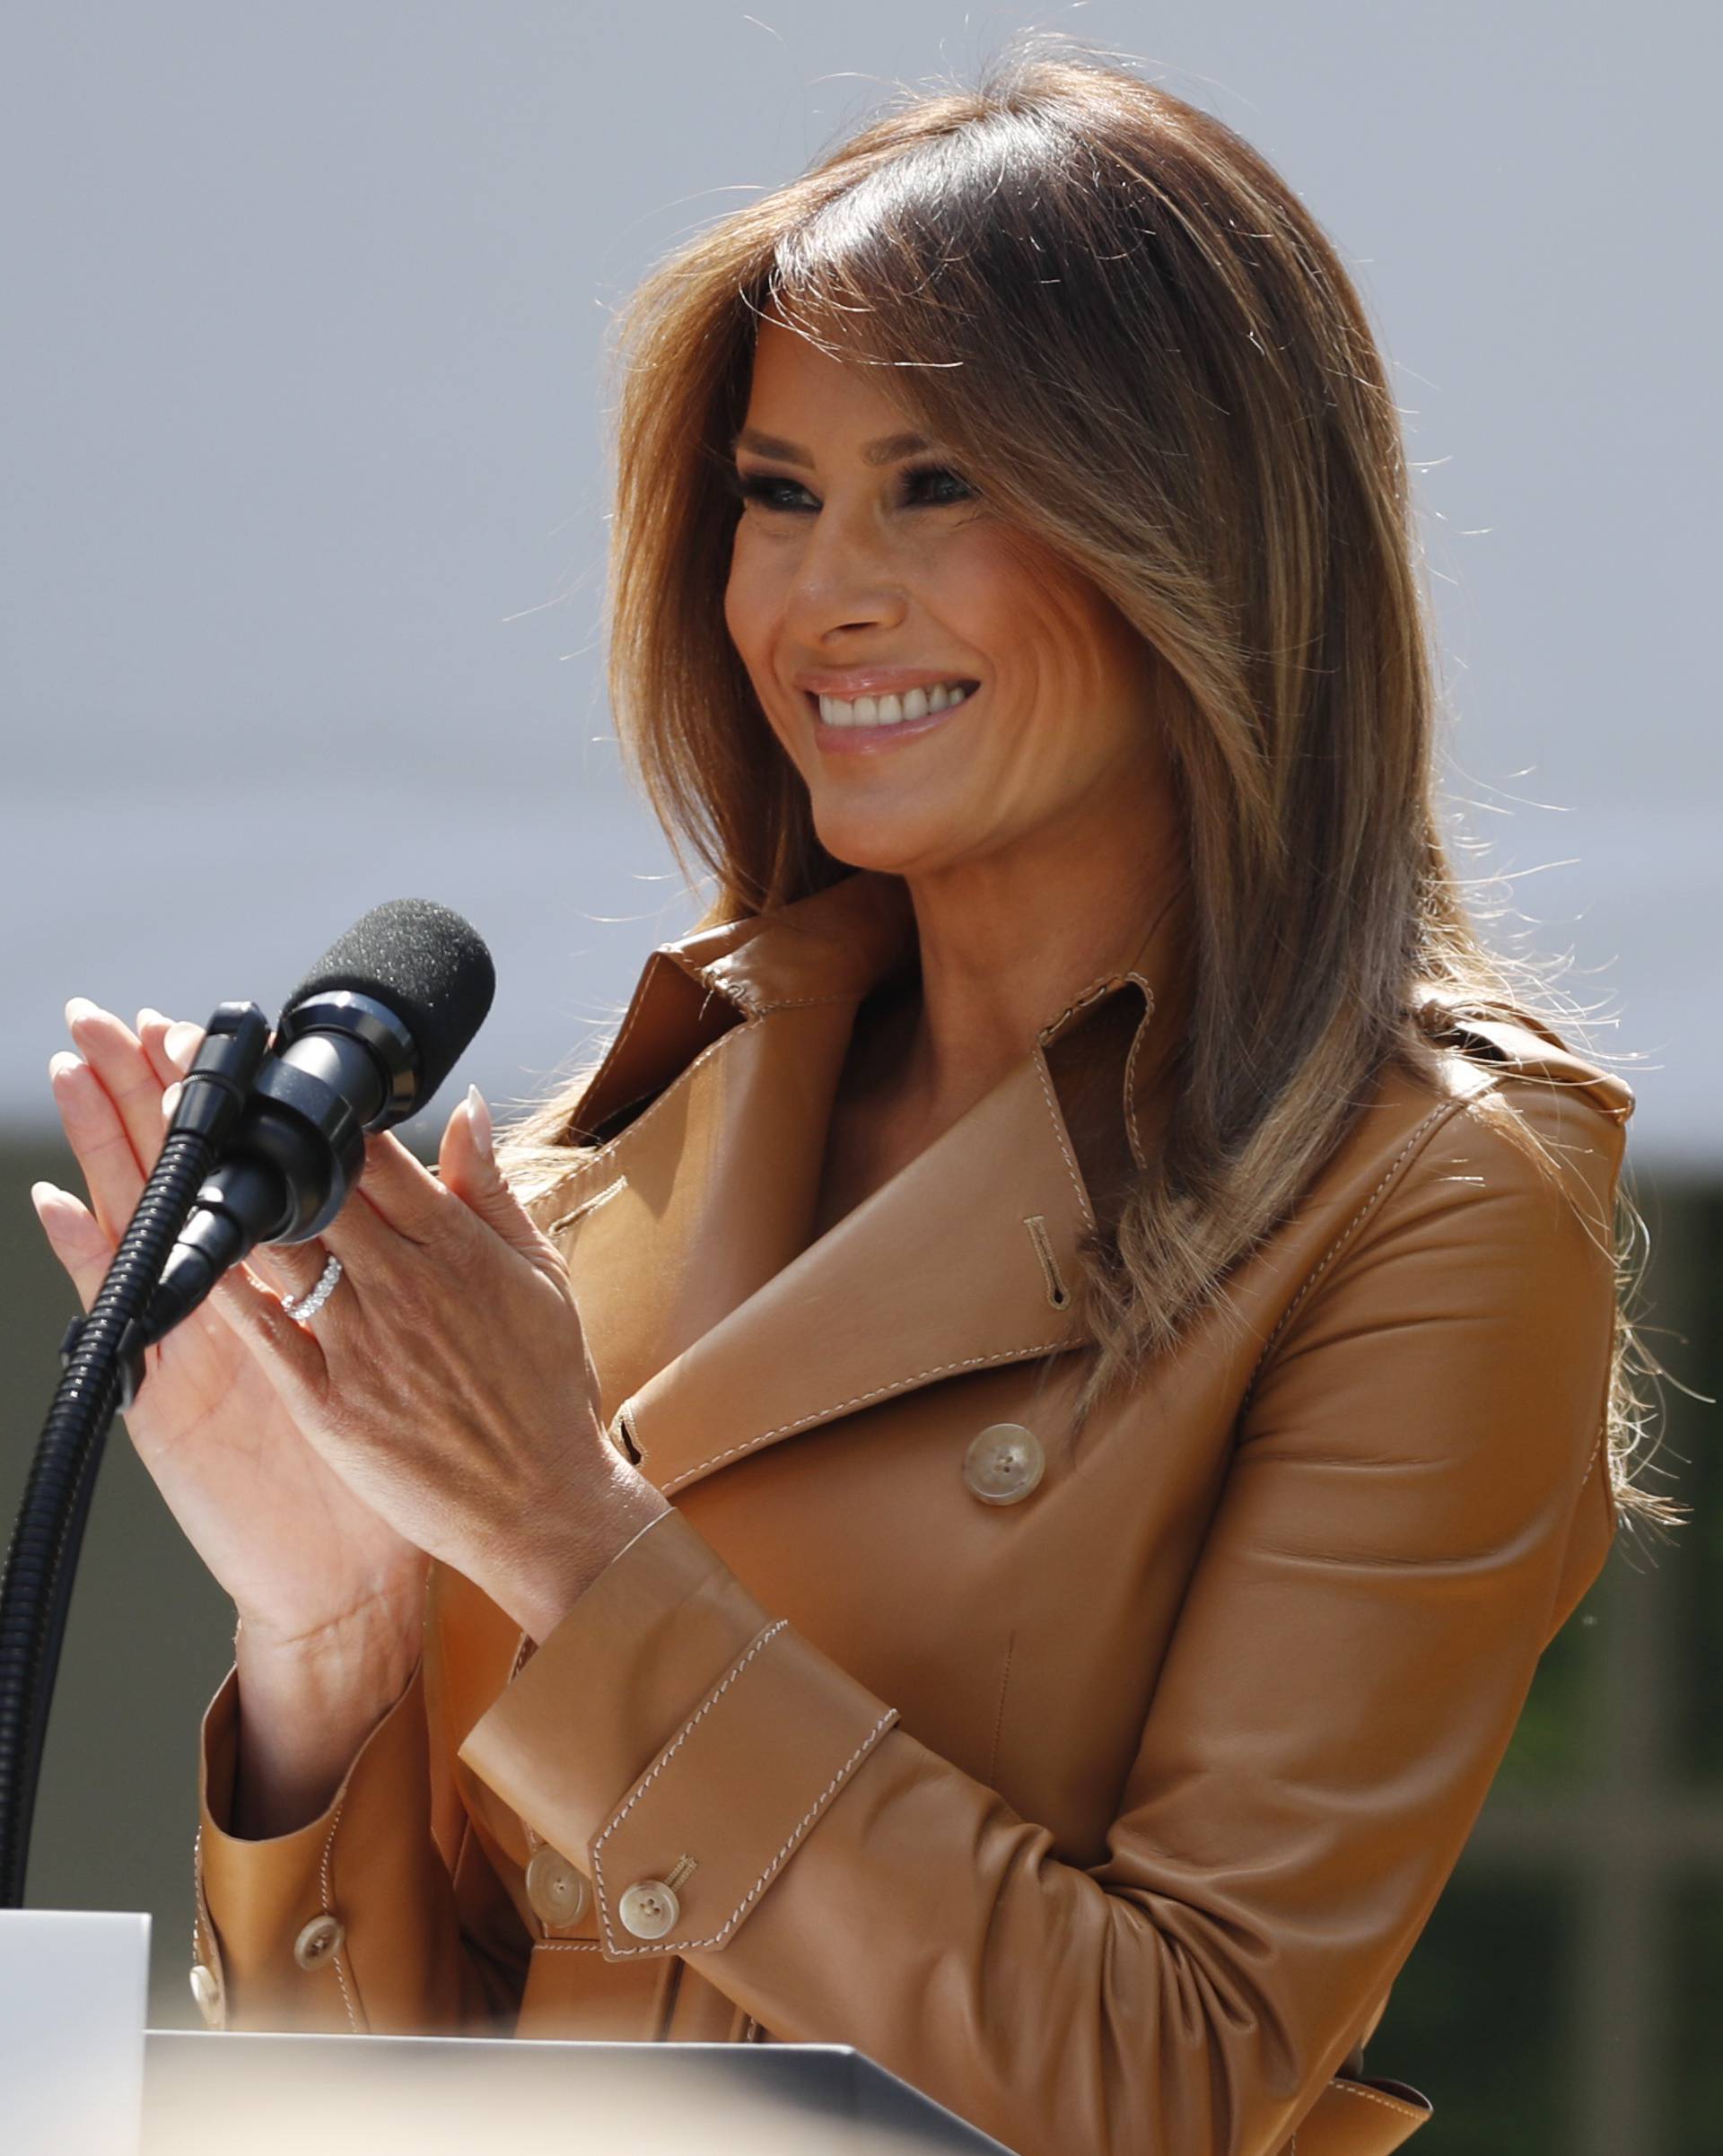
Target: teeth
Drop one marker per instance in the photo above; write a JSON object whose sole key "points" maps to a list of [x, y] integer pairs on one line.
{"points": [[890, 710]]}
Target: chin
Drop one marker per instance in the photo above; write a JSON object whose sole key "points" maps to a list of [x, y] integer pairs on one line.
{"points": [[891, 850]]}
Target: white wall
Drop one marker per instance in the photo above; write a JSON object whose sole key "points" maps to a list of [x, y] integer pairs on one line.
{"points": [[302, 525]]}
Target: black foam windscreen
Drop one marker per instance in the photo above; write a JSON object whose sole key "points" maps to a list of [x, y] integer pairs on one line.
{"points": [[424, 962]]}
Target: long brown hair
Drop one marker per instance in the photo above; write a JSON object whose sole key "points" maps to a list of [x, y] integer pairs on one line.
{"points": [[1139, 344]]}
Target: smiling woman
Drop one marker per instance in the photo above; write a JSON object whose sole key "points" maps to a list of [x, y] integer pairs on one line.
{"points": [[996, 1474], [875, 576]]}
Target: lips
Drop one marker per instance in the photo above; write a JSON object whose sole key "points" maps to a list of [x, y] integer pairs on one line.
{"points": [[865, 740]]}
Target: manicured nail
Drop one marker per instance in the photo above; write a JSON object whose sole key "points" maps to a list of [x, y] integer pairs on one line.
{"points": [[171, 1099], [61, 1062], [45, 1196], [80, 1007], [480, 1116]]}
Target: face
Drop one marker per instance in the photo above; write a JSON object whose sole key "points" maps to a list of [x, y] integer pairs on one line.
{"points": [[863, 568]]}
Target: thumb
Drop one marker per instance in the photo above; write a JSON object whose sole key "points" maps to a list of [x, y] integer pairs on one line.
{"points": [[467, 1165]]}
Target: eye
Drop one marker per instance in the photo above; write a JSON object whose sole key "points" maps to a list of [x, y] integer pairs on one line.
{"points": [[929, 480], [761, 487], [923, 484]]}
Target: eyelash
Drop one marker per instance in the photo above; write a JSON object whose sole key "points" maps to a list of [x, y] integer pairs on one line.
{"points": [[757, 486]]}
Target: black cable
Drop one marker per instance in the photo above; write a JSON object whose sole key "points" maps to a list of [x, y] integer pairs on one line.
{"points": [[103, 1366]]}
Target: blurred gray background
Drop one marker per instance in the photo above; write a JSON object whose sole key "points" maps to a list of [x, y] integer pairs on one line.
{"points": [[302, 529]]}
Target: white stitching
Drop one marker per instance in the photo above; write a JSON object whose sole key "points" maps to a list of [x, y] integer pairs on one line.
{"points": [[323, 1875], [566, 1946], [665, 1758], [1378, 2096], [688, 1945], [999, 1718], [1447, 1108], [1048, 1033], [1040, 1062], [587, 1205], [1137, 1038], [899, 1384], [801, 1003], [763, 1641], [202, 1910]]}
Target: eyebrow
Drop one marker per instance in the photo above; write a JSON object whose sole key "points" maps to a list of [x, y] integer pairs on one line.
{"points": [[886, 450]]}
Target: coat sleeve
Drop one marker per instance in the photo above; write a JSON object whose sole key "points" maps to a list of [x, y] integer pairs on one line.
{"points": [[350, 1924], [1381, 1574]]}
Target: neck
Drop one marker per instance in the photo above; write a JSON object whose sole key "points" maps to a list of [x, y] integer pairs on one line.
{"points": [[1008, 942]]}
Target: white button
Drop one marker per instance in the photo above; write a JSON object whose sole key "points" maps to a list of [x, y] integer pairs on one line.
{"points": [[321, 1938], [554, 1888], [649, 1908], [1003, 1463], [207, 1989]]}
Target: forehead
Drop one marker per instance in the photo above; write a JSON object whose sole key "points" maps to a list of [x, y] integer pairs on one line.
{"points": [[791, 378]]}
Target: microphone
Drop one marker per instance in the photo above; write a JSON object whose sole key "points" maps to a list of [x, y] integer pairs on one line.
{"points": [[364, 1041]]}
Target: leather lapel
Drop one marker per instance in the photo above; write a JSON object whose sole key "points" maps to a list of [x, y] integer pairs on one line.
{"points": [[698, 1203], [963, 1260], [717, 1326], [736, 1036]]}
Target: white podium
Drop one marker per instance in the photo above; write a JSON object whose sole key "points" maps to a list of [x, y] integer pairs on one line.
{"points": [[73, 1988], [81, 2076], [233, 2094]]}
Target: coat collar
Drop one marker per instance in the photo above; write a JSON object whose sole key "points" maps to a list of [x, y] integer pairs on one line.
{"points": [[718, 1324]]}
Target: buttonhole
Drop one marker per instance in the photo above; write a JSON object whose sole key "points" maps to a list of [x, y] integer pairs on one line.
{"points": [[623, 1437], [1058, 1294], [586, 1205]]}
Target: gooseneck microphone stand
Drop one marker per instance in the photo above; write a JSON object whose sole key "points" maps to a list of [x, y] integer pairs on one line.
{"points": [[102, 1366]]}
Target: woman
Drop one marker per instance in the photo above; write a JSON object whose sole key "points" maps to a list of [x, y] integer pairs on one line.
{"points": [[991, 1484]]}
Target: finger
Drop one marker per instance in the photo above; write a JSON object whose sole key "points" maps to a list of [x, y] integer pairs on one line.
{"points": [[113, 1051], [74, 1237], [171, 1044], [468, 1163], [97, 1137], [289, 1269], [402, 1190], [286, 1351]]}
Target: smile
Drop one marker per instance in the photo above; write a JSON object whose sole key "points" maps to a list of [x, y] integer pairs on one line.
{"points": [[867, 734]]}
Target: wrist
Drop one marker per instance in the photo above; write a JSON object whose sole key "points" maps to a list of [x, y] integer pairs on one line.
{"points": [[556, 1577], [306, 1705]]}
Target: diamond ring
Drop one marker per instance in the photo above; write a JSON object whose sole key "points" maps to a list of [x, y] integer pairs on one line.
{"points": [[305, 1307]]}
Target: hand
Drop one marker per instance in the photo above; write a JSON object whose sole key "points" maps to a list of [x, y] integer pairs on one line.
{"points": [[301, 1555], [447, 1380]]}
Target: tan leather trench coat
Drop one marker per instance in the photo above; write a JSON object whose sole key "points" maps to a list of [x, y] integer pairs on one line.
{"points": [[1099, 1786]]}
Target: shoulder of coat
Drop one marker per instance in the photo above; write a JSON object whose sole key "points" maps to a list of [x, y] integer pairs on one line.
{"points": [[1502, 1101], [1506, 1042]]}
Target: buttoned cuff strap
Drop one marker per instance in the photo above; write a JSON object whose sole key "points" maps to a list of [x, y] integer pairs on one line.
{"points": [[676, 1742]]}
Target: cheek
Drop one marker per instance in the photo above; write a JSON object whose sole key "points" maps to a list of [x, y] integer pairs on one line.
{"points": [[1017, 604], [751, 616], [741, 606]]}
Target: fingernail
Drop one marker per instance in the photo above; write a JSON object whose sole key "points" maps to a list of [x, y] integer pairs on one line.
{"points": [[171, 1099], [147, 1015], [43, 1195], [79, 1007], [182, 1043], [480, 1116], [61, 1062]]}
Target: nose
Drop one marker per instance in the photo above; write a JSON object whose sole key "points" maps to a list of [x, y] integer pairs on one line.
{"points": [[847, 575]]}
